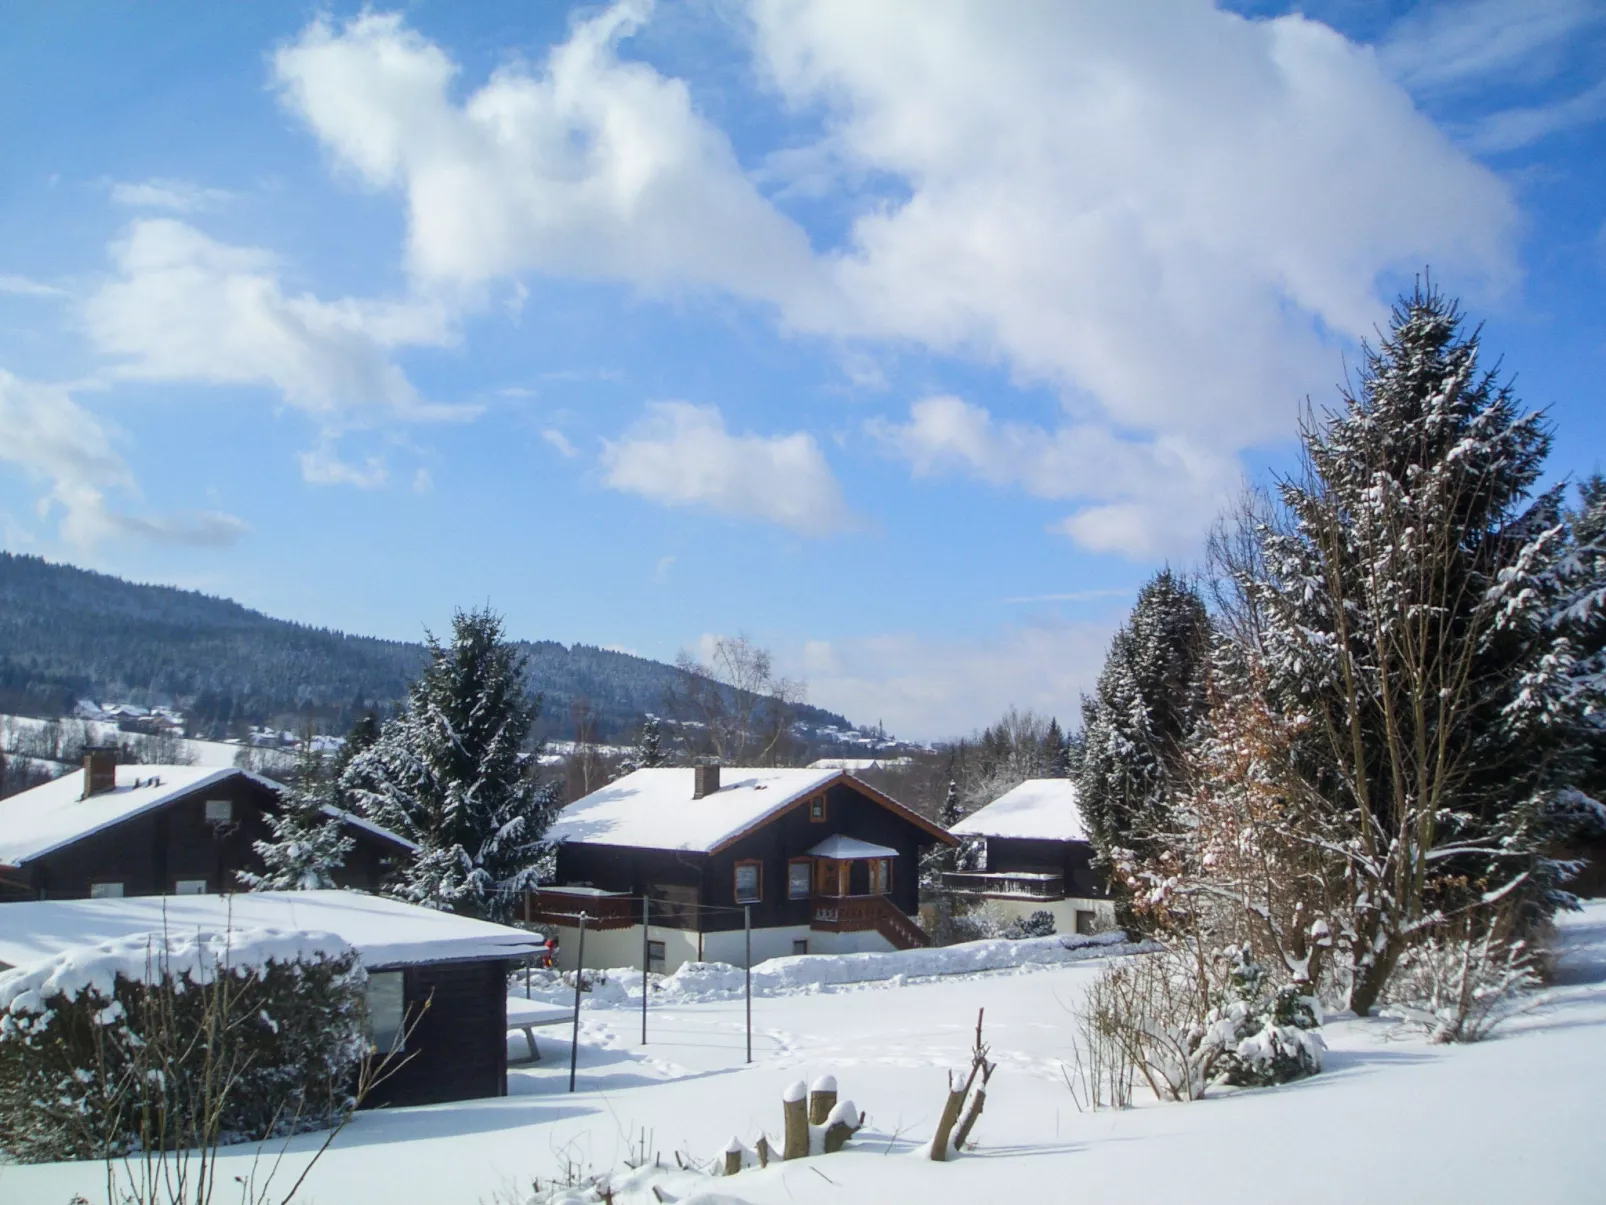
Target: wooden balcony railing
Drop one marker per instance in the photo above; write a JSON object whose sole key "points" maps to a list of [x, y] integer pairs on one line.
{"points": [[862, 913], [1023, 884], [563, 905]]}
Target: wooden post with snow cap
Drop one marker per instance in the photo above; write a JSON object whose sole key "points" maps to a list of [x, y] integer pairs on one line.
{"points": [[733, 1156], [795, 1109], [822, 1099], [841, 1123]]}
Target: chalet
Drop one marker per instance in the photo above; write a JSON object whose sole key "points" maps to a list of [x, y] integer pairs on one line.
{"points": [[111, 830], [456, 1048], [1035, 857], [822, 862]]}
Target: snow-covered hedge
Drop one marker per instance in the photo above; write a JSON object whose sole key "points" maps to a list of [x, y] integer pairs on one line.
{"points": [[182, 1039]]}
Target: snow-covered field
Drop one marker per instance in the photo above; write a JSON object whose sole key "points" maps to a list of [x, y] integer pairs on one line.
{"points": [[1515, 1119]]}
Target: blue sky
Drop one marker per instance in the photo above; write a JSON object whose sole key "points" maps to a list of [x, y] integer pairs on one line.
{"points": [[906, 338]]}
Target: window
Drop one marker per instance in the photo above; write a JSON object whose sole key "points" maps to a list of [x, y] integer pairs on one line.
{"points": [[1085, 921], [817, 810], [220, 811], [798, 879], [749, 882], [105, 891], [800, 946], [880, 876], [189, 887], [386, 998], [674, 905], [655, 956]]}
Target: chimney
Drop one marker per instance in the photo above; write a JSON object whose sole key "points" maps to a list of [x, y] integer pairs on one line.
{"points": [[706, 781], [100, 771]]}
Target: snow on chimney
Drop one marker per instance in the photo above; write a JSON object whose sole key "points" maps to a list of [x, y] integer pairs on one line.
{"points": [[706, 780], [100, 771]]}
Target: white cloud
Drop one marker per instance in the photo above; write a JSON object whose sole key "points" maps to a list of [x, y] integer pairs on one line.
{"points": [[928, 689], [423, 483], [660, 571], [682, 455], [186, 308], [1511, 129], [23, 286], [560, 441], [180, 196], [587, 166], [1456, 43], [55, 441], [1143, 498], [322, 466]]}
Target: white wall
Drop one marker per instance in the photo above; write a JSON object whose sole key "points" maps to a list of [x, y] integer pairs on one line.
{"points": [[622, 947], [1064, 911]]}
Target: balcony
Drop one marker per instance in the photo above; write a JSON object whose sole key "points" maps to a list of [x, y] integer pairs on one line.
{"points": [[862, 913], [563, 906], [1022, 885]]}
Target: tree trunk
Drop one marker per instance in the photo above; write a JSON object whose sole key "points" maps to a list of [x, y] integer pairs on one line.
{"points": [[796, 1145], [945, 1125], [822, 1099], [733, 1158]]}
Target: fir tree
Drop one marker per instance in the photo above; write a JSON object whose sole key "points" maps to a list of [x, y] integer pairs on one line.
{"points": [[308, 844], [450, 774], [1581, 617], [1056, 752], [650, 749], [1136, 725]]}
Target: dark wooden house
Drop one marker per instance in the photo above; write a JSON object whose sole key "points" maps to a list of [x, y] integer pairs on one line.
{"points": [[456, 1048], [1035, 856], [820, 861], [109, 831]]}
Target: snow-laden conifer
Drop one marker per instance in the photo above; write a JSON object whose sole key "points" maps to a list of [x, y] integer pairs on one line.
{"points": [[307, 844], [451, 774]]}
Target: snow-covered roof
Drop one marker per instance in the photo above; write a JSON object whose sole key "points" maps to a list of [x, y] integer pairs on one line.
{"points": [[1040, 809], [54, 814], [385, 932], [654, 809], [838, 846]]}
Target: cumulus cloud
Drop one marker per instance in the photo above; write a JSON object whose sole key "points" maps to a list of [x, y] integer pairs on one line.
{"points": [[927, 689], [58, 443], [682, 455], [184, 307], [1142, 498], [585, 166], [180, 196]]}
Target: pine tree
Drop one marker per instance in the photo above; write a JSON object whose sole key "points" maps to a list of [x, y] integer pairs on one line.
{"points": [[308, 844], [1404, 599], [940, 859], [1056, 752], [450, 774], [1144, 710], [1581, 617]]}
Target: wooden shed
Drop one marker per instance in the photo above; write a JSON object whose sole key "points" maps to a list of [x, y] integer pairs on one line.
{"points": [[458, 1048], [109, 830]]}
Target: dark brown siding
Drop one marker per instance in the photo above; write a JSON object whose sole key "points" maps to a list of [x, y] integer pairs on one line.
{"points": [[637, 871], [1073, 859], [149, 853], [458, 1050]]}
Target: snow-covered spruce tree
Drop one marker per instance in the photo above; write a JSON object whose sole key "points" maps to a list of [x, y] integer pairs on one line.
{"points": [[308, 844], [650, 749], [450, 773], [940, 859], [1140, 717], [1405, 598], [1056, 751], [1581, 617]]}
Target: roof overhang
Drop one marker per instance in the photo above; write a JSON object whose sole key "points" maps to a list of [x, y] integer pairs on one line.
{"points": [[934, 830]]}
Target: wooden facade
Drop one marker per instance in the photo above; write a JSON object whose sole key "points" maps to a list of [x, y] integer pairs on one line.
{"points": [[174, 848], [458, 1048]]}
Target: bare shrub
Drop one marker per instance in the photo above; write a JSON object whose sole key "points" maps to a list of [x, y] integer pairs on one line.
{"points": [[1458, 987]]}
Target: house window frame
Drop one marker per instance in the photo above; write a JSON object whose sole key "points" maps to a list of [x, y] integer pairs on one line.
{"points": [[186, 886], [758, 880], [792, 865], [818, 812], [884, 875], [396, 1034], [218, 811], [99, 889], [657, 955], [800, 947]]}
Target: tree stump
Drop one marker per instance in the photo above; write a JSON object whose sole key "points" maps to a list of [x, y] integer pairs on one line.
{"points": [[733, 1157], [822, 1099], [842, 1123], [762, 1149], [794, 1107]]}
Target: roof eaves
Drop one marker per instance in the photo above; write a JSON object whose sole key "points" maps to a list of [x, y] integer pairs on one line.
{"points": [[159, 802]]}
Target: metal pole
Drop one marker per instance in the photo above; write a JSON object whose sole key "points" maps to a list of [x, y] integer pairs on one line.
{"points": [[646, 962], [747, 939], [528, 959], [579, 966]]}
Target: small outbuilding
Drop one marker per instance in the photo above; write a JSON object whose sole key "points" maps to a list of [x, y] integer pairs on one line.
{"points": [[1035, 856], [108, 831], [820, 861], [456, 1047]]}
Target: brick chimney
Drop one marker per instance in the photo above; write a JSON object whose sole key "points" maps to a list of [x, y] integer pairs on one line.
{"points": [[706, 780], [100, 771]]}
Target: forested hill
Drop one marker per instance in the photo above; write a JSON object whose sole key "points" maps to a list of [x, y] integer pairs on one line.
{"points": [[68, 633]]}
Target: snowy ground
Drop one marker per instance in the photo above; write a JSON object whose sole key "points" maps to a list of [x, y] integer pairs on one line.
{"points": [[1515, 1119]]}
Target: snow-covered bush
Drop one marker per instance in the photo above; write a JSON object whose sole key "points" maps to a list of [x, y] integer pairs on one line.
{"points": [[1038, 924], [171, 1042], [1185, 1020], [1459, 987]]}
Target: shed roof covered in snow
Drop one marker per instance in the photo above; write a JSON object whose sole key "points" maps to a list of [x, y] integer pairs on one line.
{"points": [[385, 932], [1040, 809], [54, 814], [655, 809]]}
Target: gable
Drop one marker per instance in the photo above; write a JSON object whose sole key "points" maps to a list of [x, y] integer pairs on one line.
{"points": [[864, 792]]}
